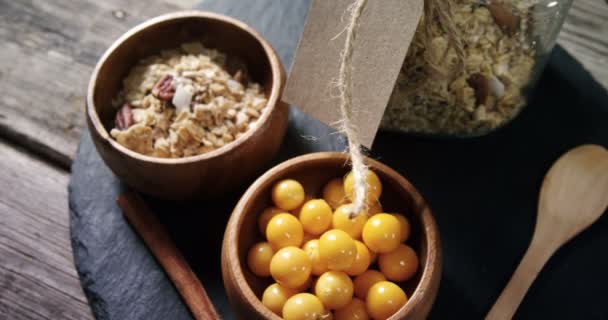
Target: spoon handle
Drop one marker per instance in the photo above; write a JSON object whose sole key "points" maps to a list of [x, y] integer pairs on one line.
{"points": [[533, 261], [160, 244]]}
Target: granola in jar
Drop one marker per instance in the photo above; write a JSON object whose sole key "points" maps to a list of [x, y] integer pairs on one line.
{"points": [[184, 102], [441, 90]]}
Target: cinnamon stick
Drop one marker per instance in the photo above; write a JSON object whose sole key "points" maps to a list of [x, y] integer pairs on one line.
{"points": [[158, 241]]}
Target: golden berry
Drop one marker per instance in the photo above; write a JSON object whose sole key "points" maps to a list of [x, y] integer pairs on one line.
{"points": [[362, 260], [365, 281], [337, 249], [284, 230], [275, 296], [258, 259], [355, 310], [374, 186], [288, 194], [265, 217], [304, 306], [342, 220], [382, 233], [290, 267], [333, 193], [374, 208], [316, 216], [296, 211], [384, 299], [400, 264], [312, 249], [405, 226], [334, 289]]}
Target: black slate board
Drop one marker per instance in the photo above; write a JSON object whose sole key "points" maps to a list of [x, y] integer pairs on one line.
{"points": [[483, 192]]}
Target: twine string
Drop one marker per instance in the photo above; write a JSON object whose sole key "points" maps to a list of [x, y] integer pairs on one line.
{"points": [[438, 14], [348, 127]]}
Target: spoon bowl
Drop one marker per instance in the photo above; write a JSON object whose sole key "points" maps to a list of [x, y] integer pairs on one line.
{"points": [[574, 194]]}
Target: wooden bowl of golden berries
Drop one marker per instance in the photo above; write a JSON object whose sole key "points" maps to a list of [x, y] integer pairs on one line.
{"points": [[294, 248]]}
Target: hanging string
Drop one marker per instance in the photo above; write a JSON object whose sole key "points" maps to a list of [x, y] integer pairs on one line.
{"points": [[344, 86]]}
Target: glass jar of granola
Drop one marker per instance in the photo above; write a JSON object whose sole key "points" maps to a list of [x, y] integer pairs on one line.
{"points": [[472, 64]]}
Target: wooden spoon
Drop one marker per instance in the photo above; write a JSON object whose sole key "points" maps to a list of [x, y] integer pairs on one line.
{"points": [[160, 244], [573, 196]]}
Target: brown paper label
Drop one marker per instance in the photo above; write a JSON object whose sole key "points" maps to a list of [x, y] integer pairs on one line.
{"points": [[384, 34]]}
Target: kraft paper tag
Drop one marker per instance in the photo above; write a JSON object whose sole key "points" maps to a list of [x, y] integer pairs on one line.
{"points": [[384, 34]]}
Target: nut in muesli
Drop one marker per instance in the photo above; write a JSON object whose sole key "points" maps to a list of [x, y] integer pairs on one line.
{"points": [[504, 17], [480, 85], [436, 94], [124, 117], [184, 102], [163, 89]]}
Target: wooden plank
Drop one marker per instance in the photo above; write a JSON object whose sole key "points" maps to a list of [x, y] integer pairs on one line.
{"points": [[37, 274], [585, 36], [50, 47]]}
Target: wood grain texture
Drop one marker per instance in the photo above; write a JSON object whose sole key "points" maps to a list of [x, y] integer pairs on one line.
{"points": [[50, 47], [37, 275], [48, 51], [161, 245], [585, 36]]}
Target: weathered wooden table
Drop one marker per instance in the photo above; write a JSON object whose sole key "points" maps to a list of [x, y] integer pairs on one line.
{"points": [[49, 49]]}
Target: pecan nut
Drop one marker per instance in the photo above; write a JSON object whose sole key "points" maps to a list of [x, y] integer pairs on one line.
{"points": [[124, 117], [504, 17], [480, 84], [164, 89]]}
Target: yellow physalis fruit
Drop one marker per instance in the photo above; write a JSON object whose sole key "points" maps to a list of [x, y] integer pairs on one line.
{"points": [[312, 249], [384, 299], [333, 193], [275, 296], [342, 220], [365, 281], [304, 287], [284, 230], [362, 260], [307, 237], [296, 211], [355, 310], [290, 267], [304, 306], [258, 259], [400, 264], [265, 217], [372, 257], [288, 194], [337, 249], [374, 208], [374, 186], [405, 226], [382, 233], [316, 216], [334, 289]]}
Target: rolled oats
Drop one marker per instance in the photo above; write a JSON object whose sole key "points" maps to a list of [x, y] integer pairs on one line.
{"points": [[183, 102], [434, 95]]}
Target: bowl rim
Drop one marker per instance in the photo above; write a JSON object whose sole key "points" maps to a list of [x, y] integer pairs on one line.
{"points": [[274, 98], [433, 262]]}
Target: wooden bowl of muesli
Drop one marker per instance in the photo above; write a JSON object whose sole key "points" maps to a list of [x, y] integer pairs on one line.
{"points": [[187, 105]]}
